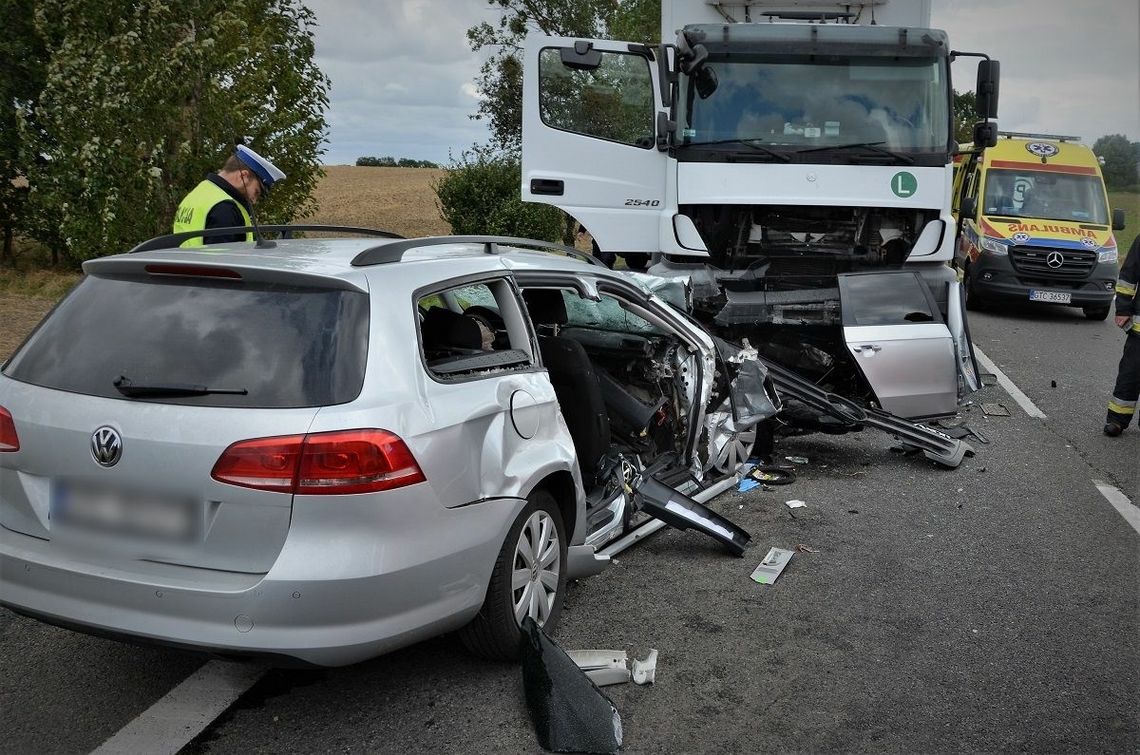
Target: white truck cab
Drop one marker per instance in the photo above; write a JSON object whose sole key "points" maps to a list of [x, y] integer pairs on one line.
{"points": [[776, 154]]}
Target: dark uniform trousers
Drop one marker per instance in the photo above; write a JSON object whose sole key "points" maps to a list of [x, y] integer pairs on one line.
{"points": [[1122, 405]]}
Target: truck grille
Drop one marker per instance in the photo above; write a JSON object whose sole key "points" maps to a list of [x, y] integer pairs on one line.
{"points": [[1035, 261]]}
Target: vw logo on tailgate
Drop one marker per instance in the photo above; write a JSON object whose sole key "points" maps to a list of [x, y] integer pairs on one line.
{"points": [[1055, 260], [106, 446]]}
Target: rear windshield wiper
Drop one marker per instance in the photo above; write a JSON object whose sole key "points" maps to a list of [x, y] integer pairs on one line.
{"points": [[747, 143], [872, 146], [129, 388]]}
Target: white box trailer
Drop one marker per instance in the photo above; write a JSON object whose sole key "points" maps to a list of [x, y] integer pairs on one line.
{"points": [[780, 156]]}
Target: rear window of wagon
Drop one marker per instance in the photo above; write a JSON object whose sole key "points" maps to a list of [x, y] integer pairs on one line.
{"points": [[285, 345]]}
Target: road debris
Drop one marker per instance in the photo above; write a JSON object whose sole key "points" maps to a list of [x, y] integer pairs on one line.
{"points": [[995, 410], [569, 712], [605, 667], [772, 566], [797, 459], [795, 504], [772, 475], [801, 548]]}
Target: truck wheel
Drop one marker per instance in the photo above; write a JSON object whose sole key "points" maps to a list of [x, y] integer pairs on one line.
{"points": [[1097, 313], [529, 579]]}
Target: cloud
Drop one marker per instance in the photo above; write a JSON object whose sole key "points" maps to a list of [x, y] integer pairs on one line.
{"points": [[403, 74]]}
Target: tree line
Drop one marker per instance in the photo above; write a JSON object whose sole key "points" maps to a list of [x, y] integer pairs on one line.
{"points": [[392, 162]]}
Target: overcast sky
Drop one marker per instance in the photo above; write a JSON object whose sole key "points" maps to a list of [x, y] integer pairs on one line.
{"points": [[403, 75]]}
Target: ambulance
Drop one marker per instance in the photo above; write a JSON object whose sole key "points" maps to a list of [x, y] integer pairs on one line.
{"points": [[1034, 224]]}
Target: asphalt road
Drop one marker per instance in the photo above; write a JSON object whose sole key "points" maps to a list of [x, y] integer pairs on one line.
{"points": [[992, 607]]}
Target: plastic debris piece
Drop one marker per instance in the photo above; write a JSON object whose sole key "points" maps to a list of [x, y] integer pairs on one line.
{"points": [[569, 712], [801, 548], [995, 410], [772, 475], [645, 672], [747, 484], [772, 566], [604, 667], [795, 504], [797, 459]]}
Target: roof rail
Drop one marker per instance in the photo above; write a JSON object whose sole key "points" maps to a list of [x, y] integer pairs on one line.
{"points": [[172, 240], [1025, 135], [393, 251]]}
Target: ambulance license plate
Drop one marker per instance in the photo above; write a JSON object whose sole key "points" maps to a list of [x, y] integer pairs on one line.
{"points": [[1054, 297]]}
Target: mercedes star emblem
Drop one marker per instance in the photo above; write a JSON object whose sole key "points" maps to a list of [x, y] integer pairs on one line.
{"points": [[1055, 260]]}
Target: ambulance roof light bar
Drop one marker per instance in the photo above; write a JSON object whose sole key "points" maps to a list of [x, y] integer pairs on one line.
{"points": [[1009, 134]]}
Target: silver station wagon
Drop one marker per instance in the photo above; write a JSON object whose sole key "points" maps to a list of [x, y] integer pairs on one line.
{"points": [[324, 449]]}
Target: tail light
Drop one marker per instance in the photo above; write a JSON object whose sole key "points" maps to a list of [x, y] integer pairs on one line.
{"points": [[9, 441], [336, 463]]}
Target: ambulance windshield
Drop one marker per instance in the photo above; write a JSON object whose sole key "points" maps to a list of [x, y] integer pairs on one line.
{"points": [[792, 102], [1046, 195]]}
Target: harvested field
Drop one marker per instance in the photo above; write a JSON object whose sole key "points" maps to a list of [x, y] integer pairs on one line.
{"points": [[391, 199]]}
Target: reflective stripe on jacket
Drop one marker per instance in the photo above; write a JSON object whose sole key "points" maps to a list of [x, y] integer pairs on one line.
{"points": [[192, 212]]}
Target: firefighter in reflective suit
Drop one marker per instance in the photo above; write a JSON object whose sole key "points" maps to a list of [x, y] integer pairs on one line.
{"points": [[1122, 405]]}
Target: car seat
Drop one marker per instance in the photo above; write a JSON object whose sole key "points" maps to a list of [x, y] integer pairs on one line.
{"points": [[575, 382]]}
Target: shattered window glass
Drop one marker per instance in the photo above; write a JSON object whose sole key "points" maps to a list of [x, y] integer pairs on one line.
{"points": [[606, 314]]}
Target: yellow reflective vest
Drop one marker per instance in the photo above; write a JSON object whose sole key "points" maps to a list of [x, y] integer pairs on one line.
{"points": [[192, 212]]}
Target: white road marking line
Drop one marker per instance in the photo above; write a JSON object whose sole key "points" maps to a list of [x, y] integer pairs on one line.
{"points": [[1120, 502], [1014, 392], [185, 711]]}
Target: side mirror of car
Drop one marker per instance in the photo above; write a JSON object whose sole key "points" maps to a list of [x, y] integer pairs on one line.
{"points": [[968, 207], [1118, 219]]}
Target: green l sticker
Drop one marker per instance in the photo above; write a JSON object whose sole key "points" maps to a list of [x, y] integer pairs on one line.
{"points": [[904, 184]]}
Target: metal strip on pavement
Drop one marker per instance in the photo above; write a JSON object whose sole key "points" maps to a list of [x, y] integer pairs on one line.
{"points": [[1120, 502], [1013, 391], [185, 711]]}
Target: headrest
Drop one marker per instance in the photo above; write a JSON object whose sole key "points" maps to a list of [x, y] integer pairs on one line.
{"points": [[443, 328], [546, 306]]}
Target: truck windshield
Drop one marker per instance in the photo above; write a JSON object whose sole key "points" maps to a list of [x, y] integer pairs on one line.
{"points": [[1049, 196], [795, 102]]}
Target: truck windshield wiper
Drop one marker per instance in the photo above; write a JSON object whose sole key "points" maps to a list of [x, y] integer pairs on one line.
{"points": [[747, 143], [127, 387], [873, 146]]}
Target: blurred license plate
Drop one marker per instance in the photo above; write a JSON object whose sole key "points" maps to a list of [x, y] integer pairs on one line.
{"points": [[1057, 297], [120, 513]]}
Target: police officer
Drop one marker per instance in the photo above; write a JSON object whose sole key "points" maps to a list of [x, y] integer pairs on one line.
{"points": [[226, 198], [1122, 405]]}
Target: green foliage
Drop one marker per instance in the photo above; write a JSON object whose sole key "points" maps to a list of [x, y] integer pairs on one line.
{"points": [[1121, 158], [480, 195], [21, 79], [500, 79], [142, 100], [391, 162], [964, 116]]}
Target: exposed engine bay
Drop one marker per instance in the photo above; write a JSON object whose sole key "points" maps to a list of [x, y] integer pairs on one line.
{"points": [[771, 278]]}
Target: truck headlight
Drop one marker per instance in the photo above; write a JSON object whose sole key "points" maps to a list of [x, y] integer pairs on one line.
{"points": [[993, 246], [1107, 255]]}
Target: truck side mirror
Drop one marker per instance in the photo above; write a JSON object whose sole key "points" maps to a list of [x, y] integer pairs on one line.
{"points": [[985, 134], [705, 81], [1118, 219], [968, 207], [581, 57], [986, 92]]}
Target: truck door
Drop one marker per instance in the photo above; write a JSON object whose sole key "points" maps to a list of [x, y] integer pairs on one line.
{"points": [[900, 342], [589, 138]]}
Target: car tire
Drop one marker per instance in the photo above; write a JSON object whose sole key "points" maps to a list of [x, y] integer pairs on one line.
{"points": [[495, 631], [1097, 313]]}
